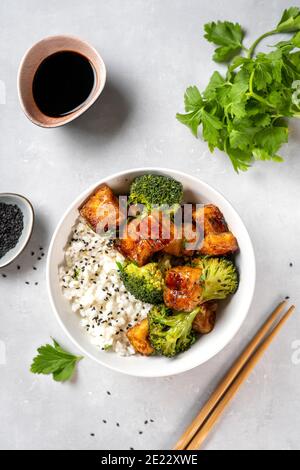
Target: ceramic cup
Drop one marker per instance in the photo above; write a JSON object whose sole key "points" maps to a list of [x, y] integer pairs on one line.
{"points": [[30, 63]]}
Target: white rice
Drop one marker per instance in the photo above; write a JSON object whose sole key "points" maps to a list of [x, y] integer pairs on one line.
{"points": [[91, 282]]}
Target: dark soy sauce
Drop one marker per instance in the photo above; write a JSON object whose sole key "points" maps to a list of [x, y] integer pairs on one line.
{"points": [[62, 83]]}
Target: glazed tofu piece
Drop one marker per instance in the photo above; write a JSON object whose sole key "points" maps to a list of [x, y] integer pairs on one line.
{"points": [[182, 301], [138, 336], [183, 277], [205, 320], [186, 243], [183, 288], [219, 244], [210, 218], [138, 251], [175, 248], [218, 241], [101, 210], [208, 235], [142, 239]]}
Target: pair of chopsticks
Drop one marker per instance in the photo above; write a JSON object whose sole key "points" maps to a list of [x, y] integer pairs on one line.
{"points": [[198, 430]]}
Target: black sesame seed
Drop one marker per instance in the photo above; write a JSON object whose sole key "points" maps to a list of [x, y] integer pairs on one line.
{"points": [[4, 275], [104, 421], [118, 425], [36, 283], [18, 267], [287, 297], [140, 432], [146, 422], [92, 434], [151, 420], [291, 264], [108, 393], [34, 268], [32, 253], [27, 282]]}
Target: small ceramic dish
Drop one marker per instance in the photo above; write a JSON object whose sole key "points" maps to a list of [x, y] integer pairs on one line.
{"points": [[30, 63], [28, 221]]}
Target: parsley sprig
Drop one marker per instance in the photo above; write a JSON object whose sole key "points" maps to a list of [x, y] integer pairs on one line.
{"points": [[244, 112], [56, 361]]}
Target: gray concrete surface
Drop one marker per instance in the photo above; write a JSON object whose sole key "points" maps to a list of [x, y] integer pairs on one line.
{"points": [[153, 50]]}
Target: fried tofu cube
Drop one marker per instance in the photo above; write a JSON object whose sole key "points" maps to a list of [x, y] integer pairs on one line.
{"points": [[183, 277], [219, 244], [182, 301], [205, 320], [211, 218], [215, 241], [142, 239], [138, 251], [174, 248], [183, 288], [186, 241], [101, 210], [138, 336]]}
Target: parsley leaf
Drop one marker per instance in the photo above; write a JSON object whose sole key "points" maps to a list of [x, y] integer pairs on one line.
{"points": [[290, 21], [244, 112], [192, 120], [192, 99], [215, 82], [228, 36], [211, 127], [56, 361], [271, 139]]}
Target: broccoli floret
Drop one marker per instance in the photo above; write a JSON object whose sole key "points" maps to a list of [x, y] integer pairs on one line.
{"points": [[155, 190], [219, 276], [171, 333], [146, 283]]}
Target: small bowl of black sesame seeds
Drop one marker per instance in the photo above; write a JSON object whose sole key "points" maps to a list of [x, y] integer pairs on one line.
{"points": [[16, 224]]}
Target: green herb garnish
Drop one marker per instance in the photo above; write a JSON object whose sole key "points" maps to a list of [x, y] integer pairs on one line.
{"points": [[76, 273], [56, 361], [243, 113]]}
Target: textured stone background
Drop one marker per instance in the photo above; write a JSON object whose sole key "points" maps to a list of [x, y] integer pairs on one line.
{"points": [[153, 50]]}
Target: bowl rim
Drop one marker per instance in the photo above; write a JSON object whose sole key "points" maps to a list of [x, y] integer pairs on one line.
{"points": [[75, 202], [82, 109], [32, 218]]}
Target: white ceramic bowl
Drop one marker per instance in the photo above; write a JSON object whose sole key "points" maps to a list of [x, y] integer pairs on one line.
{"points": [[28, 221], [231, 315]]}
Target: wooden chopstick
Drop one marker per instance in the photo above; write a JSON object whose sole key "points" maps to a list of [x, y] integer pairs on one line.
{"points": [[227, 381], [217, 412]]}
